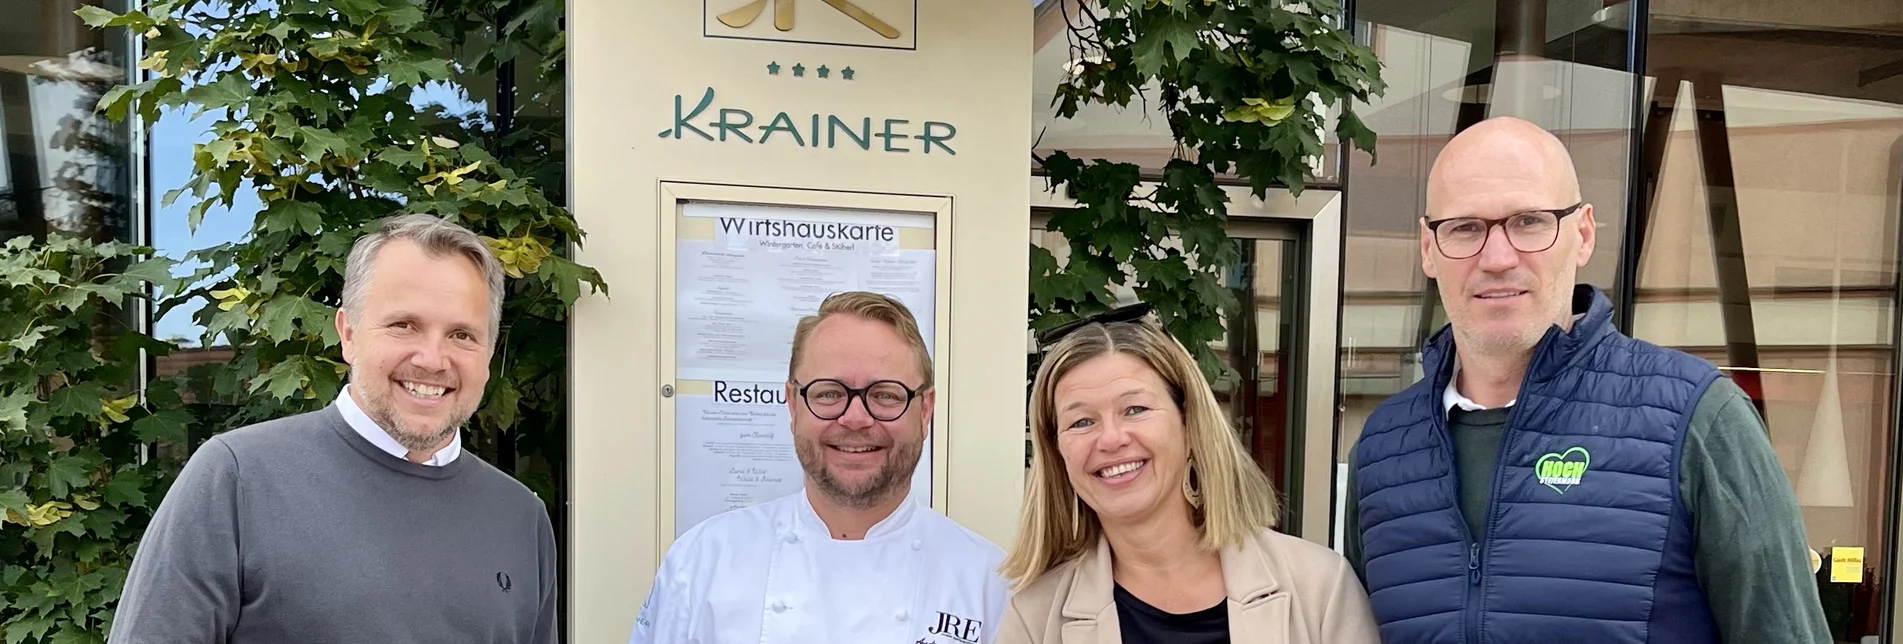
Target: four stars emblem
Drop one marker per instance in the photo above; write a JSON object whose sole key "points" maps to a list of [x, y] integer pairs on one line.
{"points": [[773, 69]]}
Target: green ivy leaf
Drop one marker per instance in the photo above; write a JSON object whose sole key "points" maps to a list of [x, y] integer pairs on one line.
{"points": [[278, 319], [156, 270], [565, 278], [23, 628], [80, 399], [117, 102], [95, 17], [90, 551], [14, 500], [162, 394], [70, 633], [29, 276], [285, 379], [415, 72], [319, 319], [1351, 129], [28, 340], [503, 403], [196, 214], [327, 379], [287, 215], [402, 16], [166, 426], [66, 474], [230, 90], [219, 151], [318, 141], [1169, 39], [102, 523], [235, 319], [74, 298], [402, 157]]}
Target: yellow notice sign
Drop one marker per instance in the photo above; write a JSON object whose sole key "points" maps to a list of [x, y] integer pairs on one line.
{"points": [[1846, 565]]}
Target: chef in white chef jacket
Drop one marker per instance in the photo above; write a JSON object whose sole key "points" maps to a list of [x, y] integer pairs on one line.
{"points": [[850, 558]]}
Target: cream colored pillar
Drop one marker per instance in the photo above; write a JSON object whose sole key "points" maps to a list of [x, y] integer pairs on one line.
{"points": [[901, 108]]}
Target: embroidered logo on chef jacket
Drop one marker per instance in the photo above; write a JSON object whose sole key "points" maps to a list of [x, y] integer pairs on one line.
{"points": [[641, 620], [962, 629]]}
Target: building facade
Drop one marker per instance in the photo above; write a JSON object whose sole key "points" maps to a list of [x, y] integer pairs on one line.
{"points": [[1745, 160]]}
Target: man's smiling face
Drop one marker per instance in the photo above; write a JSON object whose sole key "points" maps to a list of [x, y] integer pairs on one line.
{"points": [[419, 345]]}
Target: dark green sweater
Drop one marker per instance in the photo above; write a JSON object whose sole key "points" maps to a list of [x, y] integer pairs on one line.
{"points": [[1752, 557]]}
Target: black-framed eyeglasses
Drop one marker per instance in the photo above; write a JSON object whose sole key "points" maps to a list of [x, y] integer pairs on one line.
{"points": [[1130, 313], [885, 400], [1529, 231]]}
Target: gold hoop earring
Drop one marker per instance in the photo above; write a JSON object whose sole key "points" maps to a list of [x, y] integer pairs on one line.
{"points": [[1189, 487], [1076, 516]]}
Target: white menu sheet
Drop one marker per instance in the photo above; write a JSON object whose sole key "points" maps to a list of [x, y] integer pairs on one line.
{"points": [[739, 292]]}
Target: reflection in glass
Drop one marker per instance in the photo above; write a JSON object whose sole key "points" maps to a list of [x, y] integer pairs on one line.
{"points": [[1770, 248], [1259, 347], [65, 168]]}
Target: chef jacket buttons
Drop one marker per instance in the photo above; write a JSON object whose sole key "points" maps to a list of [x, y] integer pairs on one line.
{"points": [[779, 606], [792, 538], [918, 544], [902, 615]]}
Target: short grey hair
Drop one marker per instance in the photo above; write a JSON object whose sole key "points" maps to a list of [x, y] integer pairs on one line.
{"points": [[437, 237]]}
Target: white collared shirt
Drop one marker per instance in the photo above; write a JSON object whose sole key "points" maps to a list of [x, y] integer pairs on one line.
{"points": [[1451, 397], [374, 433]]}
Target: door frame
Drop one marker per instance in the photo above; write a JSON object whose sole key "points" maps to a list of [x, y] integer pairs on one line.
{"points": [[1316, 218]]}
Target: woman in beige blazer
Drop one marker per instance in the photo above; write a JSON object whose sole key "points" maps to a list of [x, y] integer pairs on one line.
{"points": [[1146, 521]]}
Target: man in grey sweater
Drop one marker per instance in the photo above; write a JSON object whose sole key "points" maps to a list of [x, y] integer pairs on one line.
{"points": [[363, 521]]}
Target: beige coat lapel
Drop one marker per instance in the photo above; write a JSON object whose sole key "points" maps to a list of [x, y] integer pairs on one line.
{"points": [[1090, 610], [1258, 610]]}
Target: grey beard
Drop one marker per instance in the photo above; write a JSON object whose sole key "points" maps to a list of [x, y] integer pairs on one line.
{"points": [[411, 438], [896, 475]]}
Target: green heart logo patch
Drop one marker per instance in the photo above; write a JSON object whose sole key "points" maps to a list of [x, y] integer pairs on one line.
{"points": [[1563, 470]]}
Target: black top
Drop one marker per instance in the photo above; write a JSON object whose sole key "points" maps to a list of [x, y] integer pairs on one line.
{"points": [[1145, 624]]}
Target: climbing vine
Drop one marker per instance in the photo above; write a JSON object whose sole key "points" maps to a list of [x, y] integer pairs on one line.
{"points": [[74, 491], [1245, 88]]}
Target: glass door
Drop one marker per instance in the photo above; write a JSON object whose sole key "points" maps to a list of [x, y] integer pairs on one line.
{"points": [[1262, 391]]}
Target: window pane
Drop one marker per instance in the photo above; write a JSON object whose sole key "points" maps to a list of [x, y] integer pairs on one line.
{"points": [[64, 167], [1448, 65], [1771, 245]]}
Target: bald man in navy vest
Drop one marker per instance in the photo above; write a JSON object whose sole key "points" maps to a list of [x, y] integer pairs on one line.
{"points": [[1550, 479]]}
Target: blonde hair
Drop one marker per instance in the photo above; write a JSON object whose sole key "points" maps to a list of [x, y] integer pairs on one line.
{"points": [[1055, 526], [870, 306]]}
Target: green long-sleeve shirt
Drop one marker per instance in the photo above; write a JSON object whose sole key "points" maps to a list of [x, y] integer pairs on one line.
{"points": [[1751, 554]]}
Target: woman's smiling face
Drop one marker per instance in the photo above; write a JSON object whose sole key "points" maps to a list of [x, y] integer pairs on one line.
{"points": [[1121, 436]]}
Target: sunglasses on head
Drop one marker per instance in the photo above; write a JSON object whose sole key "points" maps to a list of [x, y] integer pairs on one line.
{"points": [[1129, 313]]}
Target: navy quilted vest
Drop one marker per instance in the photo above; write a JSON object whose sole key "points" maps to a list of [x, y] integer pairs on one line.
{"points": [[1586, 540]]}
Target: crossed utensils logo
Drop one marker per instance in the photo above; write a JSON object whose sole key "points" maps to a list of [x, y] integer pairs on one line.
{"points": [[783, 16]]}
